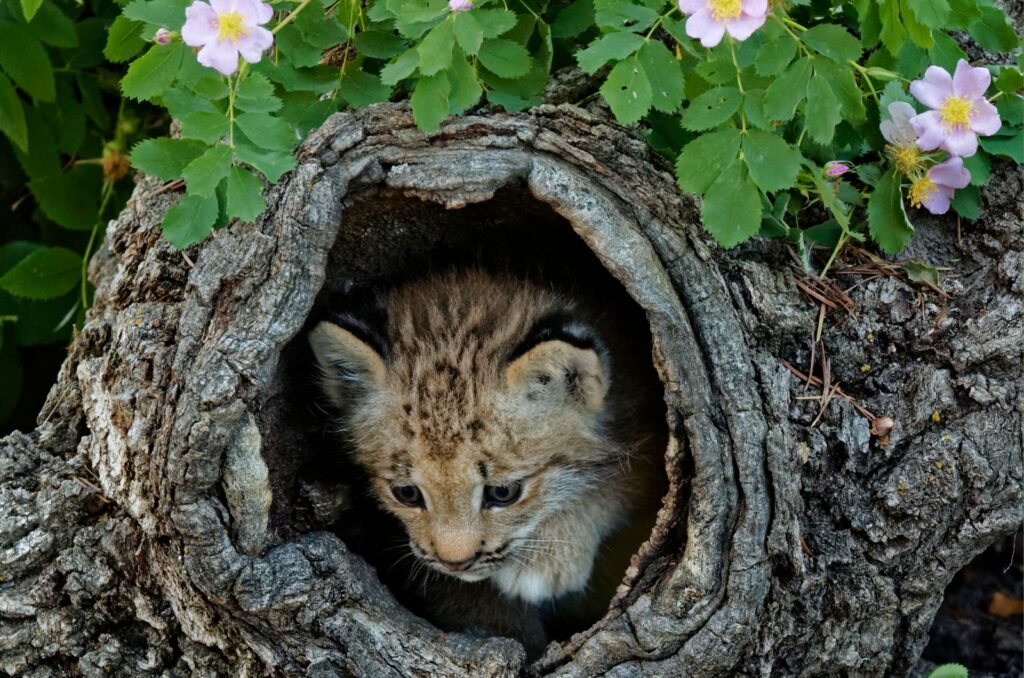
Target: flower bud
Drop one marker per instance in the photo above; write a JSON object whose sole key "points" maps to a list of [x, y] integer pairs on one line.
{"points": [[163, 36], [460, 5], [835, 168]]}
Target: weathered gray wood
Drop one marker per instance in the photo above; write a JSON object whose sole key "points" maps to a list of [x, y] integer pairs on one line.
{"points": [[148, 524]]}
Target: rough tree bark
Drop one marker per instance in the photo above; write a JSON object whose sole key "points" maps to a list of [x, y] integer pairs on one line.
{"points": [[152, 523]]}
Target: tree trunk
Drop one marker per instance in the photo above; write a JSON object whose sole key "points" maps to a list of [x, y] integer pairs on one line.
{"points": [[159, 519]]}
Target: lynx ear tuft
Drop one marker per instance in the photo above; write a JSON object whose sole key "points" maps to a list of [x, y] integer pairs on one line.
{"points": [[559, 363], [351, 366]]}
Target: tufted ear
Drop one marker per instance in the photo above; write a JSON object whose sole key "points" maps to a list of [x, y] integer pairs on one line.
{"points": [[351, 367], [559, 364]]}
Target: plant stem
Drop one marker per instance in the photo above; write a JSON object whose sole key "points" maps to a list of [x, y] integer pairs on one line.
{"points": [[839, 245], [291, 16]]}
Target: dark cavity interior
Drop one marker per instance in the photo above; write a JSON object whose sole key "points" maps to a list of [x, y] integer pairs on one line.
{"points": [[387, 238]]}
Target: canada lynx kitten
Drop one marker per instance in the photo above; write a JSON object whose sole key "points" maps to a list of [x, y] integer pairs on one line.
{"points": [[497, 423]]}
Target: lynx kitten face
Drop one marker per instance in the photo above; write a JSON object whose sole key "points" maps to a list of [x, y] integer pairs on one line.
{"points": [[478, 405]]}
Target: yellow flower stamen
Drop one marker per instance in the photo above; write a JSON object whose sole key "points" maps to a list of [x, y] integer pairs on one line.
{"points": [[725, 10], [956, 113], [921, 190], [231, 26], [906, 158]]}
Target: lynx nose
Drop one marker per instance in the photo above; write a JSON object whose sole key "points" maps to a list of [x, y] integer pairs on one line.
{"points": [[459, 565]]}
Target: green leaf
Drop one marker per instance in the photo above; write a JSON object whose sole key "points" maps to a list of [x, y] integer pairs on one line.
{"points": [[436, 49], [664, 75], [273, 164], [931, 13], [919, 34], [256, 95], [963, 13], [732, 207], [25, 61], [266, 131], [53, 192], [717, 71], [1009, 81], [166, 13], [190, 220], [921, 272], [845, 87], [495, 22], [573, 19], [12, 115], [773, 163], [359, 88], [468, 32], [980, 168], [430, 101], [244, 195], [945, 52], [627, 91], [620, 15], [124, 40], [788, 90], [465, 88], [967, 202], [1011, 109], [204, 173], [615, 46], [152, 73], [949, 671], [379, 44], [296, 49], [832, 41], [703, 159], [207, 126], [887, 218], [893, 33], [1008, 147], [401, 68], [774, 55], [321, 30], [993, 31], [504, 58], [30, 7], [46, 273], [165, 158], [823, 111], [53, 27], [712, 108]]}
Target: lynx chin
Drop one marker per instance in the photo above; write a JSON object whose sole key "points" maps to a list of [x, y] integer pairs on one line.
{"points": [[496, 420]]}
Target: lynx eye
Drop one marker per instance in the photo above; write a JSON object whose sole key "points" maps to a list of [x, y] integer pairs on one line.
{"points": [[409, 495], [502, 495]]}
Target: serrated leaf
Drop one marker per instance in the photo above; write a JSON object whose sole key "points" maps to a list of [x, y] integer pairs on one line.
{"points": [[963, 13], [980, 168], [25, 61], [465, 88], [296, 49], [832, 41], [273, 164], [244, 195], [823, 111], [166, 13], [401, 68], [46, 273], [919, 34], [165, 158], [731, 210], [30, 7], [967, 202], [321, 30], [1010, 80], [504, 58], [945, 52], [207, 126], [788, 90], [52, 193], [887, 218], [124, 40], [204, 173], [993, 31], [573, 19], [495, 22], [844, 86], [614, 46], [256, 95], [712, 108], [266, 131], [664, 75], [931, 13], [703, 159], [468, 32], [1008, 147], [436, 49], [774, 55], [627, 91], [717, 71], [379, 44], [893, 34], [12, 115], [190, 220], [773, 163], [52, 26], [621, 15], [430, 101], [152, 73], [359, 88]]}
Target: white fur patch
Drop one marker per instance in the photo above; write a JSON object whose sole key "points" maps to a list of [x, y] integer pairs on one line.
{"points": [[530, 586]]}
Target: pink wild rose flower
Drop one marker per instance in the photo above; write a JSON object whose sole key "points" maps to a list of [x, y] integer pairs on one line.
{"points": [[460, 5], [226, 28], [710, 19], [959, 112], [836, 168], [934, 190]]}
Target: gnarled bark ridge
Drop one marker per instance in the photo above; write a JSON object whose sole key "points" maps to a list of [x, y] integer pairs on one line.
{"points": [[152, 523]]}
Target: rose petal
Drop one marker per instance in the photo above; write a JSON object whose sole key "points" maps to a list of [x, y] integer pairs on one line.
{"points": [[961, 142], [702, 25], [937, 202], [221, 55], [224, 6], [929, 129], [200, 24], [985, 118], [754, 8], [692, 6], [934, 88], [970, 82], [252, 46], [745, 25], [264, 12], [898, 130]]}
